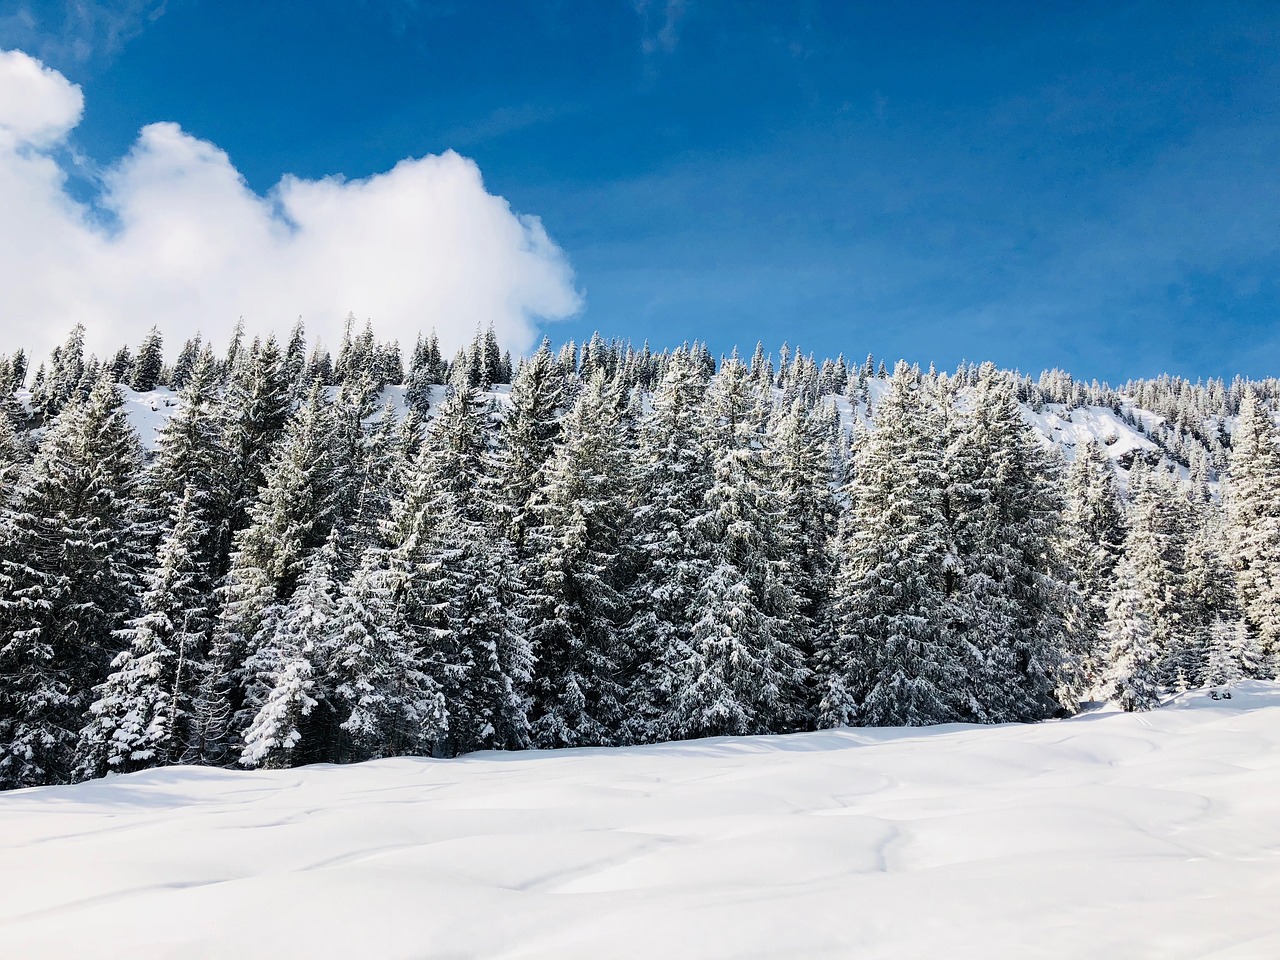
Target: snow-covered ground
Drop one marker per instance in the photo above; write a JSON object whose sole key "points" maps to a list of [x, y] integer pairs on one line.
{"points": [[1108, 835]]}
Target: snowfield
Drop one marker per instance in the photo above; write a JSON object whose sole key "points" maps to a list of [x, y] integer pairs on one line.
{"points": [[1107, 835]]}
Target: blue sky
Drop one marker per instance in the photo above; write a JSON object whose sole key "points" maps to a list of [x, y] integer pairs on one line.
{"points": [[1086, 185]]}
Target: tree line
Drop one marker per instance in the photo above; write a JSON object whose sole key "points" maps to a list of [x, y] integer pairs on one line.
{"points": [[626, 547]]}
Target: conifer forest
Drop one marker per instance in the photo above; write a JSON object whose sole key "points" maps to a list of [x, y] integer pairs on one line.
{"points": [[262, 554]]}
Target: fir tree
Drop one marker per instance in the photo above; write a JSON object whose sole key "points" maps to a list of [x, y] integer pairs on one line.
{"points": [[892, 654], [283, 671], [577, 607], [671, 480], [1161, 525], [293, 515], [146, 368], [1132, 675], [1223, 668], [527, 440], [1093, 535], [143, 713], [1253, 502], [67, 580], [471, 583], [741, 673], [1005, 584]]}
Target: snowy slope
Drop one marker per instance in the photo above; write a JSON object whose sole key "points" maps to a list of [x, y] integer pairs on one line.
{"points": [[1066, 429], [1108, 835]]}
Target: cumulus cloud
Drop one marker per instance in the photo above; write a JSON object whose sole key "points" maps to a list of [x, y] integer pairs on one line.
{"points": [[179, 240]]}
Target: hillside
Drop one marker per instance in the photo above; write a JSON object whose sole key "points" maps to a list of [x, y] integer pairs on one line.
{"points": [[1109, 834], [1059, 426]]}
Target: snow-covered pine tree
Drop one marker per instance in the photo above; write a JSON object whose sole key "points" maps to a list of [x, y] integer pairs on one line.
{"points": [[190, 461], [438, 594], [488, 658], [891, 650], [1223, 668], [1253, 504], [527, 440], [292, 516], [68, 575], [143, 714], [576, 609], [803, 465], [15, 451], [64, 380], [740, 673], [671, 478], [145, 374], [1211, 591], [381, 663], [1093, 535], [253, 411], [1132, 674], [1161, 525], [284, 673], [1006, 597]]}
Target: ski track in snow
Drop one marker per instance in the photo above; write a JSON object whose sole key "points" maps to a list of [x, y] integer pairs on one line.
{"points": [[1109, 834]]}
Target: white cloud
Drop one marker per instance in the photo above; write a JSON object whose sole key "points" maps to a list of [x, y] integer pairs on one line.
{"points": [[38, 106], [191, 247]]}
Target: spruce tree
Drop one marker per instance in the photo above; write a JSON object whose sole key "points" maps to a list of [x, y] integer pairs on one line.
{"points": [[284, 677], [1161, 527], [472, 582], [143, 714], [741, 673], [527, 440], [292, 516], [577, 607], [891, 650], [68, 574], [1005, 585], [671, 478], [1253, 503], [802, 463], [1132, 676], [147, 366]]}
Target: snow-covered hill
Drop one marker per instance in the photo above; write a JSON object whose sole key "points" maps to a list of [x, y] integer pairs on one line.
{"points": [[1125, 835], [1060, 427]]}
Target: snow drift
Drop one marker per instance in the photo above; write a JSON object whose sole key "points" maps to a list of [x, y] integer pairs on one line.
{"points": [[1107, 834]]}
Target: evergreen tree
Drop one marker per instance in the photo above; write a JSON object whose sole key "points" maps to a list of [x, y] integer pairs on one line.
{"points": [[891, 652], [254, 410], [292, 516], [527, 440], [671, 480], [1093, 535], [190, 461], [472, 582], [802, 463], [282, 671], [1253, 502], [1223, 667], [1005, 583], [1132, 674], [143, 713], [1161, 526], [577, 606], [741, 673], [146, 368], [67, 580], [185, 365]]}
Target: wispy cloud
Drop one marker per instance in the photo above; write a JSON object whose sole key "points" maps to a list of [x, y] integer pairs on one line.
{"points": [[660, 24], [66, 32]]}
